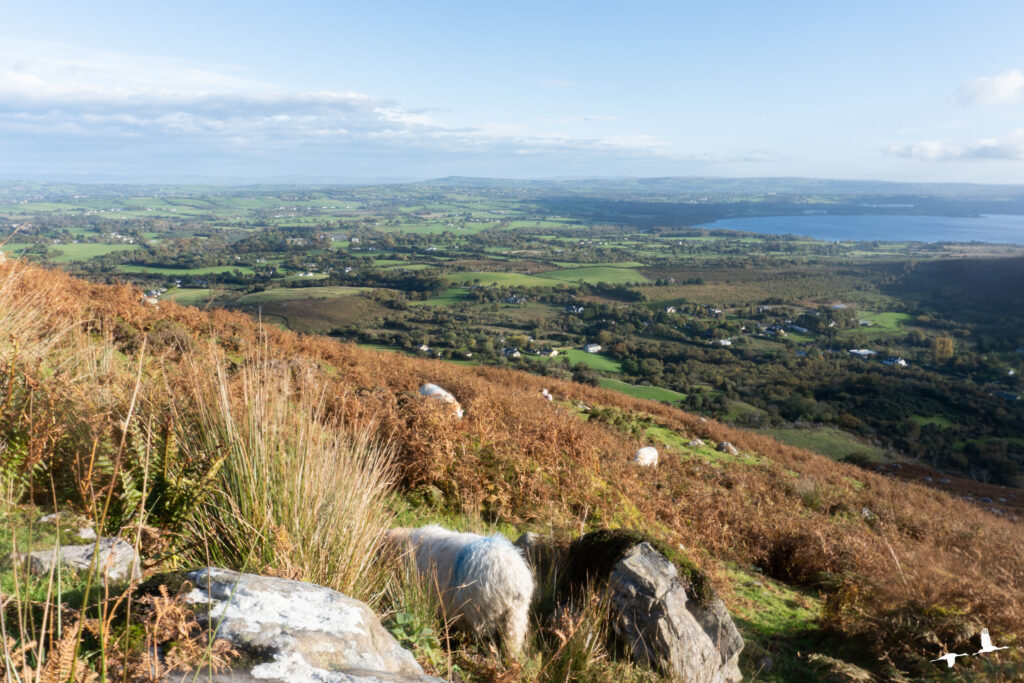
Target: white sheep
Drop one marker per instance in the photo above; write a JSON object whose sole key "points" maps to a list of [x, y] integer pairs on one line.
{"points": [[435, 392], [485, 583], [646, 456], [547, 395]]}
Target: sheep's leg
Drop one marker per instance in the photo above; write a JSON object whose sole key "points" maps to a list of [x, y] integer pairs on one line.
{"points": [[514, 623]]}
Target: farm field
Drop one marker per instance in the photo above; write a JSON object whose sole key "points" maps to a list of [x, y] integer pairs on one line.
{"points": [[644, 392], [595, 274], [296, 293], [833, 443]]}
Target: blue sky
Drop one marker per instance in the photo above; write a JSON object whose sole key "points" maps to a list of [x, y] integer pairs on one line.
{"points": [[929, 91]]}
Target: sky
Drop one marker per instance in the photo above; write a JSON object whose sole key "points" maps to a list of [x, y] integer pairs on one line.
{"points": [[344, 91]]}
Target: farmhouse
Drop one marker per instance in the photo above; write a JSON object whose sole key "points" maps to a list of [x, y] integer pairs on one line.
{"points": [[550, 353], [511, 352], [863, 354], [592, 348], [895, 362], [798, 328]]}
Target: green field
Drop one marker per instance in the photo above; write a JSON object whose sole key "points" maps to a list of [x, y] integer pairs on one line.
{"points": [[188, 297], [829, 442], [85, 250], [501, 279], [597, 361], [595, 274], [185, 271], [648, 393], [452, 296], [295, 293]]}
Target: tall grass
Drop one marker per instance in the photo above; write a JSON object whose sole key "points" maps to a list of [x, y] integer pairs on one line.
{"points": [[296, 493]]}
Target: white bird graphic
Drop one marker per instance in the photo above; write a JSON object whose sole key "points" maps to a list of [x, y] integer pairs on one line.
{"points": [[950, 657], [986, 643]]}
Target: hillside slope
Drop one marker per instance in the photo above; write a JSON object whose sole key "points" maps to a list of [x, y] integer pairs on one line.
{"points": [[900, 572]]}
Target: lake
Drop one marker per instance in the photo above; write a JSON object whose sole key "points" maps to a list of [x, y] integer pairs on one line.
{"points": [[1001, 229]]}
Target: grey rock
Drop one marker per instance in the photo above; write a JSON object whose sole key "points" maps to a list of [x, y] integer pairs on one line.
{"points": [[295, 631], [653, 619], [243, 675], [86, 533], [727, 447], [719, 627], [115, 558], [695, 443]]}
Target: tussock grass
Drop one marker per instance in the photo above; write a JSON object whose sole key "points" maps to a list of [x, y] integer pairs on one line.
{"points": [[295, 492]]}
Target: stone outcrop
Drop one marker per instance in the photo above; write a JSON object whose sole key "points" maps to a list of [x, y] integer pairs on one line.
{"points": [[662, 628], [115, 559], [294, 631]]}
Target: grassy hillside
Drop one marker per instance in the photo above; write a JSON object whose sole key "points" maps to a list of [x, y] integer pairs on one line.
{"points": [[812, 555]]}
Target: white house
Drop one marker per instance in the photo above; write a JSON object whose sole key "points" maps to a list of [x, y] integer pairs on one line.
{"points": [[863, 354], [798, 328], [895, 362], [592, 348], [724, 342]]}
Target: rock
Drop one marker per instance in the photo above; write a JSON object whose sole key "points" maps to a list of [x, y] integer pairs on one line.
{"points": [[653, 619], [86, 533], [727, 447], [116, 558], [295, 631], [646, 456], [695, 443], [834, 670], [719, 627]]}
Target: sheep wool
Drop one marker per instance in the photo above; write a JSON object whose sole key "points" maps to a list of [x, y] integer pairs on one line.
{"points": [[485, 583], [437, 393], [646, 456]]}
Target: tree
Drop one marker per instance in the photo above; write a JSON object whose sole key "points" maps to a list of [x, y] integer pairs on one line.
{"points": [[942, 349]]}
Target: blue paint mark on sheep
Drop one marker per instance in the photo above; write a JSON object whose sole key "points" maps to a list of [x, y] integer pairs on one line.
{"points": [[467, 552]]}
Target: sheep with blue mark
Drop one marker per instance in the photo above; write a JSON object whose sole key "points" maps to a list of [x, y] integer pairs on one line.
{"points": [[484, 582]]}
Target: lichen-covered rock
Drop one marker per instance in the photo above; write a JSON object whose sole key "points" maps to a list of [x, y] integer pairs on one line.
{"points": [[654, 621], [295, 631], [115, 559]]}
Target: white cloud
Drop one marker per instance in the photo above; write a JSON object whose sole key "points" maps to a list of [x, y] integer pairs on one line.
{"points": [[57, 102], [1009, 148], [1006, 87]]}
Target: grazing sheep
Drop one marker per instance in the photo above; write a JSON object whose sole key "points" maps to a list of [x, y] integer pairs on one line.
{"points": [[547, 394], [435, 392], [646, 456], [485, 583]]}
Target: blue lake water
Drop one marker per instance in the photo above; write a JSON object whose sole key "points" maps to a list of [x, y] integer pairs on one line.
{"points": [[1003, 229]]}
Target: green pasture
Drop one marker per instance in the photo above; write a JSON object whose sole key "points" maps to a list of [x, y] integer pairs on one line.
{"points": [[597, 361], [499, 278], [595, 274], [452, 296], [209, 270], [296, 293], [832, 443], [647, 393]]}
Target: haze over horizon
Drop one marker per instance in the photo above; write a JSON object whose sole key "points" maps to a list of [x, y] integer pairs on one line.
{"points": [[913, 92]]}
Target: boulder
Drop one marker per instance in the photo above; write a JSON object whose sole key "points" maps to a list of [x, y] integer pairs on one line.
{"points": [[295, 631], [695, 443], [659, 626], [727, 447], [86, 532], [114, 557]]}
